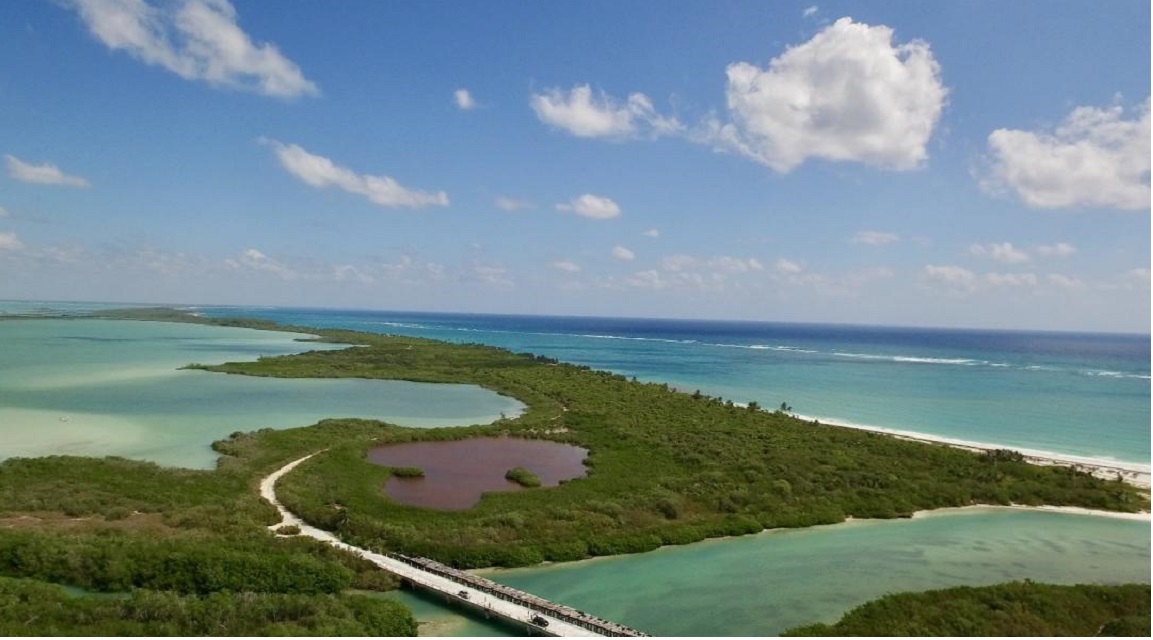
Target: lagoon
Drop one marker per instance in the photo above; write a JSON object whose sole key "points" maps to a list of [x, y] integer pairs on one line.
{"points": [[115, 387], [763, 584], [127, 372]]}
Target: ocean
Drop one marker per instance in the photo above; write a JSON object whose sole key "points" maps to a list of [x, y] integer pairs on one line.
{"points": [[1075, 394]]}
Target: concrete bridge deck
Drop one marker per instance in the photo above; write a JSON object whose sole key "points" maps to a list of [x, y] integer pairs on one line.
{"points": [[535, 615]]}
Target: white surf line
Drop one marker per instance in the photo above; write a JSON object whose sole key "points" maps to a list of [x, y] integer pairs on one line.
{"points": [[475, 597]]}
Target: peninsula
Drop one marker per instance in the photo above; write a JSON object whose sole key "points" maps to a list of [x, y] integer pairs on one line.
{"points": [[663, 467]]}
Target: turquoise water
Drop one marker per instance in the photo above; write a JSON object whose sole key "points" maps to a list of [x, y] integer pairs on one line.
{"points": [[103, 387], [1075, 394], [760, 585], [1086, 395]]}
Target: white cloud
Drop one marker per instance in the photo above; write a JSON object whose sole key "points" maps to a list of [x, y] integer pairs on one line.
{"points": [[1059, 250], [874, 238], [725, 264], [320, 172], [1067, 282], [730, 264], [1095, 158], [810, 11], [506, 203], [683, 271], [950, 275], [586, 115], [46, 173], [3, 212], [197, 40], [590, 206], [648, 279], [680, 262], [1140, 275], [786, 267], [464, 99], [9, 241], [1003, 252], [848, 94], [351, 273], [489, 275], [1011, 279], [255, 260], [623, 253], [651, 233], [566, 265]]}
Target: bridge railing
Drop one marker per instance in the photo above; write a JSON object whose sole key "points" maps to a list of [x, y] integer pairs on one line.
{"points": [[535, 603]]}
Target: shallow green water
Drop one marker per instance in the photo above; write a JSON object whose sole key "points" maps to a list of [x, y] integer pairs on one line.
{"points": [[763, 584], [103, 387]]}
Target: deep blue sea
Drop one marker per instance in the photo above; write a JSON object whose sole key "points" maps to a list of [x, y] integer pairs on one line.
{"points": [[1066, 393]]}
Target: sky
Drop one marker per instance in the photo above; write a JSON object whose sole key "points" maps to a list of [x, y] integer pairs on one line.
{"points": [[962, 164]]}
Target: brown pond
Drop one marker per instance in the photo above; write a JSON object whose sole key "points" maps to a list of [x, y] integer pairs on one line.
{"points": [[458, 472]]}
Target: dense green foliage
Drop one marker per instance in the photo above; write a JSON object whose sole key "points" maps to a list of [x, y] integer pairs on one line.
{"points": [[117, 562], [523, 477], [664, 468], [1013, 609], [33, 608]]}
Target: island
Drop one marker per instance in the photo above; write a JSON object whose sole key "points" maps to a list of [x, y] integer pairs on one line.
{"points": [[663, 468]]}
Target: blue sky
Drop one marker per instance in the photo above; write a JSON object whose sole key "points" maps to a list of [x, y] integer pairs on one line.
{"points": [[979, 164]]}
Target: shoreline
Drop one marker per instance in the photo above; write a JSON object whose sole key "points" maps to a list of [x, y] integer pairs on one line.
{"points": [[1132, 473], [1141, 516]]}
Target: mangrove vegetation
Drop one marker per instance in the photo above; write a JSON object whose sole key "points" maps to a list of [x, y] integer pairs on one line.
{"points": [[664, 467], [1012, 609]]}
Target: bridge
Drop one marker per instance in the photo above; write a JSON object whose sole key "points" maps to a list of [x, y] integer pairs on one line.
{"points": [[492, 599]]}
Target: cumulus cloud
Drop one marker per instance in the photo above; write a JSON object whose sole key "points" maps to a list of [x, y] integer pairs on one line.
{"points": [[196, 40], [488, 274], [1095, 158], [1059, 250], [723, 264], [810, 11], [848, 94], [1003, 252], [256, 260], [623, 253], [506, 203], [1011, 279], [1140, 275], [1064, 281], [464, 99], [351, 273], [9, 241], [46, 173], [875, 238], [683, 271], [950, 275], [786, 267], [590, 206], [320, 172], [566, 265], [586, 115], [651, 233]]}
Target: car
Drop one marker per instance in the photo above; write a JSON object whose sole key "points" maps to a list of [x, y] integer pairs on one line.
{"points": [[539, 621], [462, 594]]}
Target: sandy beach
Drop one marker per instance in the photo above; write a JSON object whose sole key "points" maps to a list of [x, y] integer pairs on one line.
{"points": [[1133, 473], [1141, 517]]}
